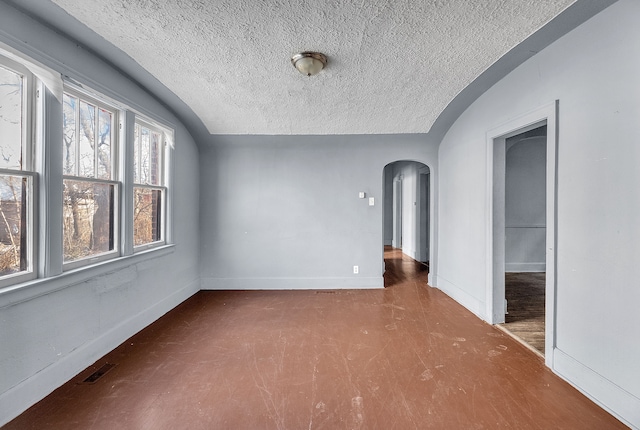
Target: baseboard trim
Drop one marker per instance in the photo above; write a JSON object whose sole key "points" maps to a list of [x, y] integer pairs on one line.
{"points": [[612, 398], [292, 283], [30, 391], [461, 296], [432, 280]]}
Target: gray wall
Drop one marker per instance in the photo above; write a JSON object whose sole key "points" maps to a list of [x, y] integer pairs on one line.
{"points": [[282, 212], [52, 329], [525, 205], [594, 72]]}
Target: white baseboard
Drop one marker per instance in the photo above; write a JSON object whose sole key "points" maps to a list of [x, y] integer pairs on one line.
{"points": [[461, 296], [409, 252], [525, 267], [354, 282], [19, 398], [617, 401]]}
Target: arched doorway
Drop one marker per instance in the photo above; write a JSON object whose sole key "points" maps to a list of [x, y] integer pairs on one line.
{"points": [[406, 214]]}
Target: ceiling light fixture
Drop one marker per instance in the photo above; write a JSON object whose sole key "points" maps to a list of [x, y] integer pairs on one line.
{"points": [[308, 62]]}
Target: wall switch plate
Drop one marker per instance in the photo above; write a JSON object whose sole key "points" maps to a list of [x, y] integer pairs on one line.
{"points": [[362, 194], [371, 201], [356, 270]]}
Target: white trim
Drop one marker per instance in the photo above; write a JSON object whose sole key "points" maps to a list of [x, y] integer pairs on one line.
{"points": [[51, 79], [495, 140], [19, 293], [459, 295], [354, 282], [89, 94], [49, 159], [127, 132], [166, 178], [617, 401], [28, 168]]}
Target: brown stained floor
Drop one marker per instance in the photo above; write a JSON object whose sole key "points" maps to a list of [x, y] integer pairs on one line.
{"points": [[403, 357], [525, 294]]}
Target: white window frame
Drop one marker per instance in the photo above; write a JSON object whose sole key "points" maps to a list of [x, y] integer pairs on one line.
{"points": [[43, 157], [30, 83], [166, 134], [101, 103]]}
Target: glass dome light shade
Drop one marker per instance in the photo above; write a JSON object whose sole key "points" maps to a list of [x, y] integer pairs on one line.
{"points": [[309, 63]]}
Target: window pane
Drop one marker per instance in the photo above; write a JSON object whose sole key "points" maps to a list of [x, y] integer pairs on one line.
{"points": [[136, 154], [87, 132], [13, 227], [147, 212], [155, 159], [88, 219], [70, 113], [144, 156], [104, 144], [11, 119]]}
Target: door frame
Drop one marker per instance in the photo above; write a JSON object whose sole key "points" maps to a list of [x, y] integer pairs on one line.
{"points": [[422, 216], [396, 241], [495, 252]]}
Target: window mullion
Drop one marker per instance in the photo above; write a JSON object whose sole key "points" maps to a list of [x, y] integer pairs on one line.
{"points": [[50, 148], [127, 137], [76, 140], [96, 132]]}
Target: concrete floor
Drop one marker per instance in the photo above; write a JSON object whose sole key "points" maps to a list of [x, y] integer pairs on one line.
{"points": [[403, 357]]}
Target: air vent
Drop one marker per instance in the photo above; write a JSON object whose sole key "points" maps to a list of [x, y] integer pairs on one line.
{"points": [[91, 379]]}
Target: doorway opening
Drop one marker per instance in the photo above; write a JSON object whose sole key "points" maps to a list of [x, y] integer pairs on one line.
{"points": [[525, 235], [522, 241], [406, 218]]}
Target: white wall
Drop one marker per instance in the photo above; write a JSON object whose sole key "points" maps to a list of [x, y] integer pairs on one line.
{"points": [[281, 212], [52, 329], [525, 205], [594, 72]]}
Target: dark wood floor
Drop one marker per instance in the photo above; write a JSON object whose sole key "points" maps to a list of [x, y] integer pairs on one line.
{"points": [[403, 357], [525, 294]]}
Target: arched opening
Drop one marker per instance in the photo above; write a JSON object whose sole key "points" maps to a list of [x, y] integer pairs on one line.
{"points": [[406, 215]]}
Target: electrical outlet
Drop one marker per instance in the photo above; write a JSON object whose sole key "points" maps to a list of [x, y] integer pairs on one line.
{"points": [[356, 270]]}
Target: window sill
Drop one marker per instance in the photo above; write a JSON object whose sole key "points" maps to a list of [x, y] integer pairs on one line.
{"points": [[30, 290]]}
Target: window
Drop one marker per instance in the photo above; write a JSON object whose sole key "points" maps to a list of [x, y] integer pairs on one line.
{"points": [[90, 192], [149, 191], [106, 194], [16, 173]]}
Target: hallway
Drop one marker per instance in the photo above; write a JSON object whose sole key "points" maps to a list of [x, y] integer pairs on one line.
{"points": [[402, 357]]}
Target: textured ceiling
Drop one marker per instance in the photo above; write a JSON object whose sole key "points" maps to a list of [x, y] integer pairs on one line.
{"points": [[393, 65]]}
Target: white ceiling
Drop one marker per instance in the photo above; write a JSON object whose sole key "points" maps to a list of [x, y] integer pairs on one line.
{"points": [[393, 65]]}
